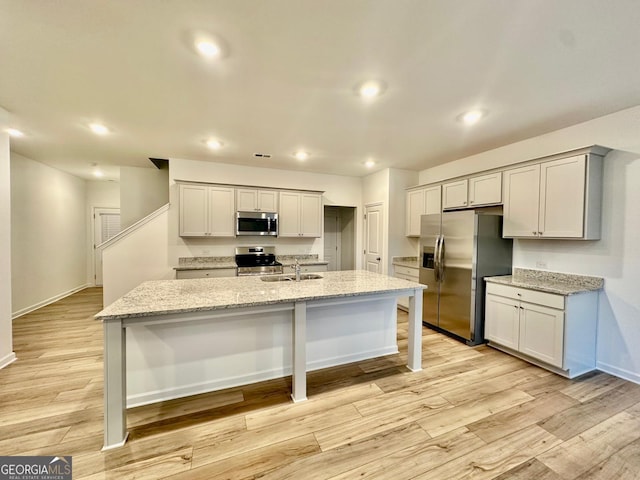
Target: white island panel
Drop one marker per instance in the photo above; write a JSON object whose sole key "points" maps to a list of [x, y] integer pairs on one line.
{"points": [[198, 335]]}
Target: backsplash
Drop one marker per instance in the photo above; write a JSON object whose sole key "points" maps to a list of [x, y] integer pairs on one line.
{"points": [[525, 274]]}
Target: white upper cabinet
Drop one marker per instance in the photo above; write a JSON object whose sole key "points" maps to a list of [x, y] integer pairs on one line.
{"points": [[485, 189], [206, 211], [454, 194], [300, 214], [556, 199], [473, 192], [420, 202], [251, 199]]}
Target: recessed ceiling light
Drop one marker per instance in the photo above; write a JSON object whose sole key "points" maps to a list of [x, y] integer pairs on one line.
{"points": [[15, 132], [208, 48], [98, 129], [301, 155], [369, 163], [214, 144], [370, 89], [471, 117], [96, 171]]}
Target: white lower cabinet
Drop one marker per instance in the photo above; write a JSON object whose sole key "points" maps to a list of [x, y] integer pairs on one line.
{"points": [[406, 273], [554, 331]]}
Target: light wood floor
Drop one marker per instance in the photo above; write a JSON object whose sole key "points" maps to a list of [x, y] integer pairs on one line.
{"points": [[471, 413]]}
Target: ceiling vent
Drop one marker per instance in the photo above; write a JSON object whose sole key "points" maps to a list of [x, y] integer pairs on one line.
{"points": [[262, 155]]}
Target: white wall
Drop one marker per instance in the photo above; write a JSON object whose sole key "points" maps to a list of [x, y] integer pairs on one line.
{"points": [[616, 257], [100, 194], [399, 244], [389, 187], [339, 190], [142, 191], [136, 257], [6, 336], [48, 234]]}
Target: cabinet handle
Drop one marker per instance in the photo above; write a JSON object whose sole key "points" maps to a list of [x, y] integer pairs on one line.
{"points": [[539, 233], [521, 308], [535, 233], [470, 201]]}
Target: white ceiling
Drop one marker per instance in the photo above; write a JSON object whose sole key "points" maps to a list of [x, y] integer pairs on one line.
{"points": [[288, 78]]}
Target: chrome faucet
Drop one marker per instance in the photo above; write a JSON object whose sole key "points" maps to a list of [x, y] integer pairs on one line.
{"points": [[296, 267]]}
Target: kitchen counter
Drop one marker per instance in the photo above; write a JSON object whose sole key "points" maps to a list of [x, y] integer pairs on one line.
{"points": [[205, 263], [304, 260], [192, 336], [410, 262], [158, 297], [549, 282]]}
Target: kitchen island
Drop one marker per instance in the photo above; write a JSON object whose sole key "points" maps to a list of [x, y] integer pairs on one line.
{"points": [[250, 323]]}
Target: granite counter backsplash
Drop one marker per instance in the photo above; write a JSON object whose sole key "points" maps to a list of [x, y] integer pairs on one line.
{"points": [[205, 263], [303, 259], [551, 282], [411, 262]]}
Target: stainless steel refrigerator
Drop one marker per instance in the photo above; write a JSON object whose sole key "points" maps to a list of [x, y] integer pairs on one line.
{"points": [[458, 249]]}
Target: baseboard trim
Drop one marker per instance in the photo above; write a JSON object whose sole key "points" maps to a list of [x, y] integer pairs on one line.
{"points": [[48, 301], [147, 398], [7, 359], [618, 372]]}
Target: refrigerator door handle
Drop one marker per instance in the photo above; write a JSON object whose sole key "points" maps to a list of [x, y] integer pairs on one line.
{"points": [[436, 265], [441, 259]]}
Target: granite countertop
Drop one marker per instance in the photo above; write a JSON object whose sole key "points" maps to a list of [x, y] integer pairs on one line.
{"points": [[212, 263], [306, 259], [550, 282], [411, 262], [205, 263], [162, 297]]}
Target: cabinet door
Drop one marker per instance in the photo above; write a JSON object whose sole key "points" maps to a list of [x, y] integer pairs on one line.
{"points": [[310, 215], [268, 200], [222, 212], [415, 208], [521, 200], [454, 194], [486, 189], [542, 333], [247, 199], [289, 215], [502, 323], [432, 201], [194, 210], [562, 189]]}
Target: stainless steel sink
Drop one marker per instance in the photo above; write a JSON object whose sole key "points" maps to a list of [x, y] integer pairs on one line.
{"points": [[289, 277]]}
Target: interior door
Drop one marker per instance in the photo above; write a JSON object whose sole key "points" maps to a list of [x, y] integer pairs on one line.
{"points": [[373, 238], [106, 224], [332, 239]]}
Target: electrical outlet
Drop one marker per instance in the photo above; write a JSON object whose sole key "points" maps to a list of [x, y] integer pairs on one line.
{"points": [[541, 264]]}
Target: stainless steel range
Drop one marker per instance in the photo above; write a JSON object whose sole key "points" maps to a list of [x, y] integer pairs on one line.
{"points": [[257, 261]]}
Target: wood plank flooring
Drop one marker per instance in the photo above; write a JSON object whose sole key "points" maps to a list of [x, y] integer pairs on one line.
{"points": [[471, 413]]}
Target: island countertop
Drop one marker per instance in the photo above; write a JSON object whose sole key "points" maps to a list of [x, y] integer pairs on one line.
{"points": [[163, 297]]}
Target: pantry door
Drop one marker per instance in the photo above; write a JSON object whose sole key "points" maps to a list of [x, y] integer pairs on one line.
{"points": [[373, 237]]}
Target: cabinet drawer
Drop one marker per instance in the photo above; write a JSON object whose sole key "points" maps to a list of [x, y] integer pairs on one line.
{"points": [[206, 273], [412, 272], [532, 296]]}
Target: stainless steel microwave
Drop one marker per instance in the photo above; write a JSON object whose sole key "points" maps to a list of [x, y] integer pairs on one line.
{"points": [[257, 223]]}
